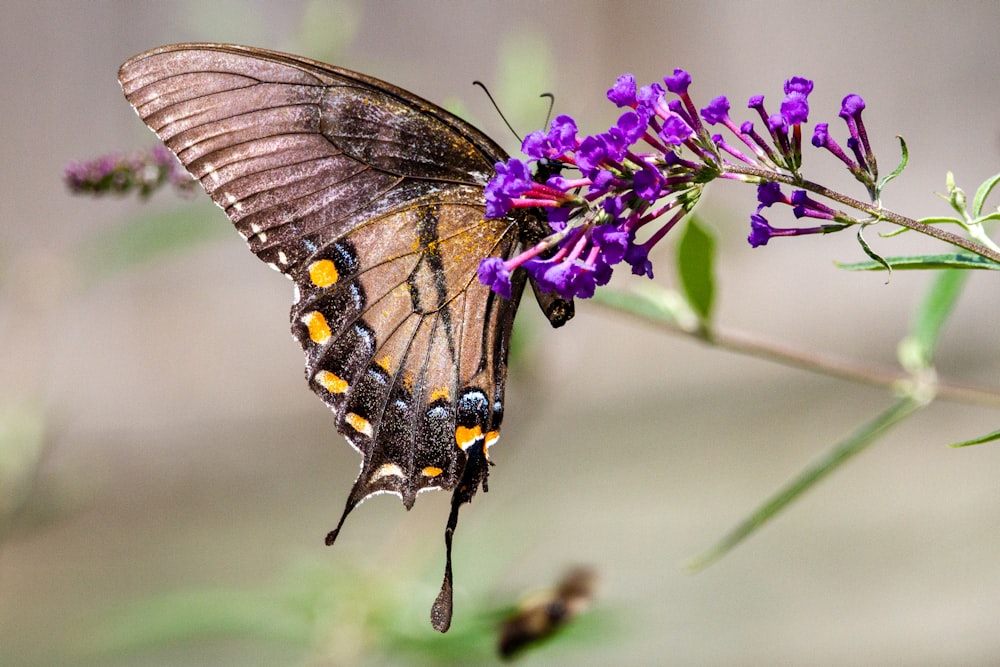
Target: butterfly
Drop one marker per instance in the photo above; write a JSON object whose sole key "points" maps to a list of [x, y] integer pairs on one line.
{"points": [[370, 199]]}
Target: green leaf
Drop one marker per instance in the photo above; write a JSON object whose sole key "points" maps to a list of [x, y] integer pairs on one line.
{"points": [[982, 193], [871, 253], [915, 262], [805, 480], [934, 311], [898, 170], [986, 218], [989, 437], [651, 302], [939, 220], [696, 267]]}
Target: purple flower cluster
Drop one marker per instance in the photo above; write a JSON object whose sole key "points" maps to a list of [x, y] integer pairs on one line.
{"points": [[654, 161], [863, 165], [144, 172], [596, 217], [803, 206]]}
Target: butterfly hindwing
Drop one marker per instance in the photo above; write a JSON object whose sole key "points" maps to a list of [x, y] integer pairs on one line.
{"points": [[371, 200]]}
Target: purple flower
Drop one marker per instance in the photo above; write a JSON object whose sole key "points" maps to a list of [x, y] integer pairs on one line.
{"points": [[623, 92], [558, 218], [616, 144], [717, 110], [770, 193], [562, 135], [583, 284], [602, 271], [601, 180], [649, 96], [494, 273], [590, 154], [560, 139], [678, 83], [760, 231], [514, 177], [647, 183], [675, 131], [757, 104], [559, 277], [638, 257], [612, 241], [613, 206], [805, 206], [795, 108], [535, 145], [632, 126], [798, 84], [850, 110], [512, 180], [852, 105], [821, 135]]}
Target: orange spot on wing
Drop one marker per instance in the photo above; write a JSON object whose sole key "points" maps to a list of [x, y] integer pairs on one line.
{"points": [[359, 423], [319, 330], [431, 471], [323, 273], [440, 393], [464, 436], [331, 382]]}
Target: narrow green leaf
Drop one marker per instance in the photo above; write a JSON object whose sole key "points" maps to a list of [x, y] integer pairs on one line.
{"points": [[915, 262], [904, 158], [982, 193], [805, 480], [934, 310], [871, 253], [696, 267], [986, 218], [989, 437], [939, 220]]}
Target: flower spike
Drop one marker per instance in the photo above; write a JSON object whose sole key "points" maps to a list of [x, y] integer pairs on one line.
{"points": [[655, 160]]}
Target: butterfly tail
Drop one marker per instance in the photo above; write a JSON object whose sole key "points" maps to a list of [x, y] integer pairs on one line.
{"points": [[475, 475]]}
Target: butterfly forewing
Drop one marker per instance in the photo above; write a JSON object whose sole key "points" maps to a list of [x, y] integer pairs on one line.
{"points": [[371, 200]]}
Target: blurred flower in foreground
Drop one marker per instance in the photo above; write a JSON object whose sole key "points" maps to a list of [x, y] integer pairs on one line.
{"points": [[544, 613], [144, 172]]}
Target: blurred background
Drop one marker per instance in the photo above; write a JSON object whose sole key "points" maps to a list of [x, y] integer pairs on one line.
{"points": [[168, 478]]}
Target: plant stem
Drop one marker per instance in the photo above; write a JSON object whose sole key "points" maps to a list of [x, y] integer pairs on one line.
{"points": [[873, 210], [865, 373]]}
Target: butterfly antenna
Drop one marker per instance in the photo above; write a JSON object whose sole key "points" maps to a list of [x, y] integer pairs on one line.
{"points": [[552, 104], [495, 106]]}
